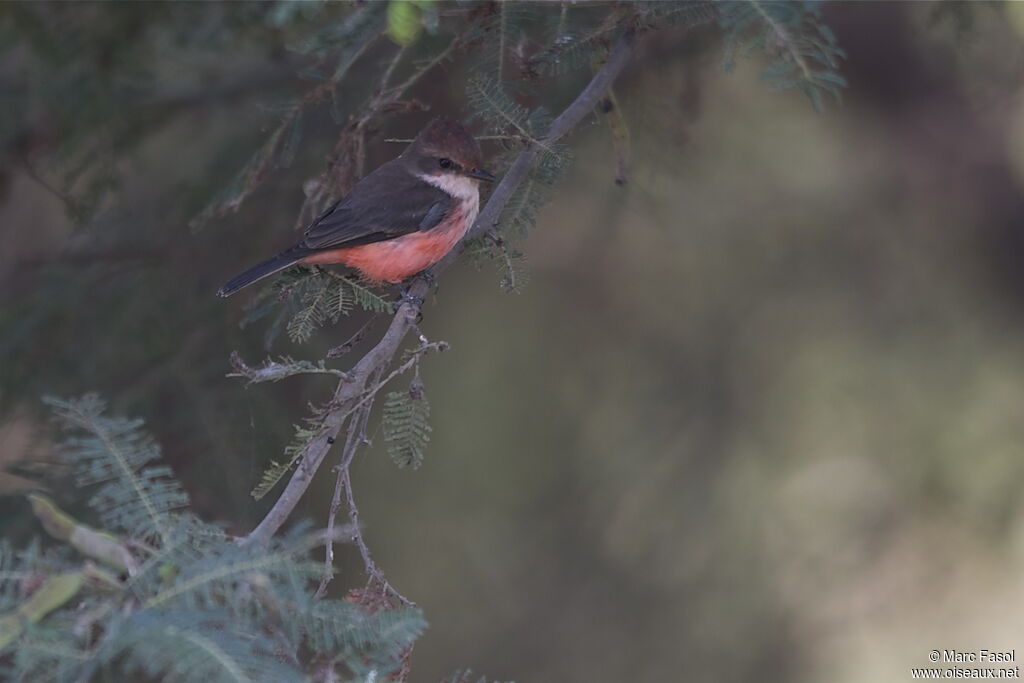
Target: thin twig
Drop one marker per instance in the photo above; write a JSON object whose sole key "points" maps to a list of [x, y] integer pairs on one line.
{"points": [[332, 516], [342, 349], [501, 41], [274, 371], [419, 73], [497, 241], [401, 369], [515, 138], [356, 436], [31, 172], [386, 78]]}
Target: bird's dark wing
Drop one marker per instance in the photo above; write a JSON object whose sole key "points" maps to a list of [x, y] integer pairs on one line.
{"points": [[386, 204]]}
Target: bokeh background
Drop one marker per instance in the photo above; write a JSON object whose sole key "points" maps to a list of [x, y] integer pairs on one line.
{"points": [[757, 416]]}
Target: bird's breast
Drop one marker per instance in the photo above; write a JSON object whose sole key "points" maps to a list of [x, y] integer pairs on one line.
{"points": [[396, 259]]}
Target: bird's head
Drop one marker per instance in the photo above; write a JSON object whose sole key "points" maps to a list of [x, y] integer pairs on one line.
{"points": [[446, 149]]}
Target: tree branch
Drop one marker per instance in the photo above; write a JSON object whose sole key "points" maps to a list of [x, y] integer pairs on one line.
{"points": [[351, 392]]}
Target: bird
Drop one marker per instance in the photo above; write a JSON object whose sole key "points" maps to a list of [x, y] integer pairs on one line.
{"points": [[400, 219]]}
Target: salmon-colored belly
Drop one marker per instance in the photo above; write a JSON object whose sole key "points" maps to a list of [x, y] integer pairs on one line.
{"points": [[400, 258]]}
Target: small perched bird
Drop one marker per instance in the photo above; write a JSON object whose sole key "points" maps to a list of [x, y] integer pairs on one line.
{"points": [[400, 219]]}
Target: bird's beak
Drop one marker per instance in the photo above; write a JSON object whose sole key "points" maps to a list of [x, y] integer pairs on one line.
{"points": [[481, 174]]}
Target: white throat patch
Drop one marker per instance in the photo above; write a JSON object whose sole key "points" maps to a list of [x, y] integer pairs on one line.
{"points": [[459, 187]]}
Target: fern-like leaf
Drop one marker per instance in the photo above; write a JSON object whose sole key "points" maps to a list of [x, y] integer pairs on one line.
{"points": [[323, 303], [277, 470], [803, 51], [227, 569], [520, 214], [467, 676], [115, 453], [365, 641], [584, 40], [16, 570], [505, 117], [501, 113], [346, 34], [510, 261], [405, 424], [367, 299], [311, 298], [194, 645]]}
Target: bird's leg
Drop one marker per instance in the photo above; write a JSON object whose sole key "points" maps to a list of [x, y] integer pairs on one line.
{"points": [[404, 295], [431, 279], [406, 284]]}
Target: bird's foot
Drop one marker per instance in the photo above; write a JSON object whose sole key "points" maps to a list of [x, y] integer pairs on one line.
{"points": [[426, 275], [404, 296], [431, 279]]}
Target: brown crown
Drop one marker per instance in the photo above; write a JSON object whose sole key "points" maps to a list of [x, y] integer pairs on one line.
{"points": [[448, 138]]}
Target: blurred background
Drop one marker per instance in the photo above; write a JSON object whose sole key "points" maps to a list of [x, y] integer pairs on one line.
{"points": [[757, 416]]}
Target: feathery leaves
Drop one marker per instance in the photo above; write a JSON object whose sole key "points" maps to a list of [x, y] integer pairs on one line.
{"points": [[511, 262], [502, 114], [310, 298], [803, 51], [406, 424], [521, 126], [193, 645], [198, 605], [134, 495], [273, 474]]}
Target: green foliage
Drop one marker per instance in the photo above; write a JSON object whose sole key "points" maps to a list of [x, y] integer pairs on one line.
{"points": [[341, 629], [197, 605], [344, 36], [278, 151], [327, 299], [273, 474], [15, 569], [192, 645], [803, 52], [319, 304], [408, 18], [406, 424], [520, 214], [85, 91], [501, 113], [310, 298], [499, 31], [654, 14], [581, 38], [510, 261], [506, 118], [133, 495], [466, 676]]}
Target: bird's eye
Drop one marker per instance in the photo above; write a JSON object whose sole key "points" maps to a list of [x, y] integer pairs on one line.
{"points": [[446, 163]]}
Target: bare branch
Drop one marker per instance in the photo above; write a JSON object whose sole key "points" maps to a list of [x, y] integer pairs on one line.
{"points": [[513, 138], [275, 371], [356, 437], [345, 347]]}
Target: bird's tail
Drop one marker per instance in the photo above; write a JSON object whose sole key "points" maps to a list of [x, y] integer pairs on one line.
{"points": [[262, 270]]}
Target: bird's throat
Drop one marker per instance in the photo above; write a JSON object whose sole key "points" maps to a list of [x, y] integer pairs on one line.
{"points": [[461, 188]]}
